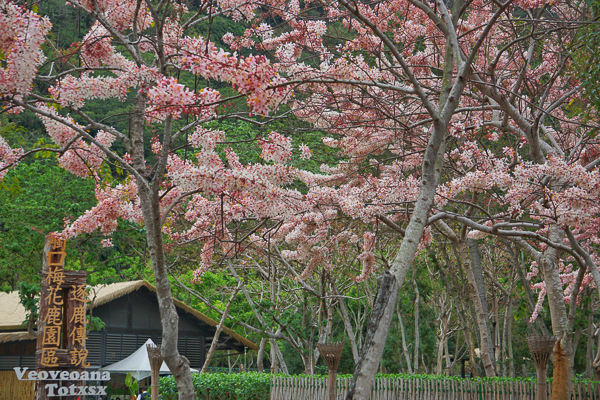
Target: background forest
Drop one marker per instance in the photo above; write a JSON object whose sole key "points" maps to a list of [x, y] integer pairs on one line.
{"points": [[275, 303]]}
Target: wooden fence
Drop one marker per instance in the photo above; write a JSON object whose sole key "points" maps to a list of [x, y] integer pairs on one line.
{"points": [[14, 389], [308, 388]]}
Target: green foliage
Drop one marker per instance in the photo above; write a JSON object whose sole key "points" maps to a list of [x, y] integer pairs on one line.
{"points": [[255, 386], [95, 323], [244, 386], [217, 27], [132, 384], [28, 293], [243, 138], [11, 132], [34, 200], [585, 67]]}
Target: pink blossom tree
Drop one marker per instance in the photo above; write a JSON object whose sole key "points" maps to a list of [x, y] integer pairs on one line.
{"points": [[154, 48], [478, 96], [443, 115]]}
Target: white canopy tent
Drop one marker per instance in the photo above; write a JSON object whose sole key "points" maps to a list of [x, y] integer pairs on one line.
{"points": [[137, 364]]}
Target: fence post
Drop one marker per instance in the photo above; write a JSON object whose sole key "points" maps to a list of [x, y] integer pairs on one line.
{"points": [[541, 347], [331, 354]]}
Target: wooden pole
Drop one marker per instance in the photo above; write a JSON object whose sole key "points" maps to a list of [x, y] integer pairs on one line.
{"points": [[40, 393], [541, 347], [331, 353], [331, 385], [541, 382], [156, 361]]}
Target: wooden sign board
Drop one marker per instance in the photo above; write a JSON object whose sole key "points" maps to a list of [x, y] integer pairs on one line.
{"points": [[61, 325]]}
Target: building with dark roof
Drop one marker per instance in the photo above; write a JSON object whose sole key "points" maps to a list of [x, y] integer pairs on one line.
{"points": [[131, 316]]}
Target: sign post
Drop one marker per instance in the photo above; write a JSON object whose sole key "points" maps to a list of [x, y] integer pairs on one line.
{"points": [[61, 356]]}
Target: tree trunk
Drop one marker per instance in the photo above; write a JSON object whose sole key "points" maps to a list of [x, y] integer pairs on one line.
{"points": [[404, 348], [417, 337], [347, 323], [442, 336], [215, 341], [448, 358], [562, 326], [261, 353], [560, 378], [274, 362], [504, 361], [366, 369], [563, 351], [307, 361], [471, 261], [511, 364], [496, 331], [589, 350], [372, 349], [440, 354], [474, 272], [281, 363], [276, 356], [433, 162], [179, 365], [148, 192]]}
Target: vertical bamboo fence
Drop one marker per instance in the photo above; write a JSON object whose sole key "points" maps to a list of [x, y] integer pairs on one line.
{"points": [[14, 389], [315, 388]]}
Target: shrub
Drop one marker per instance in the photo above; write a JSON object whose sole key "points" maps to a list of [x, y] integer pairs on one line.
{"points": [[244, 386], [255, 386]]}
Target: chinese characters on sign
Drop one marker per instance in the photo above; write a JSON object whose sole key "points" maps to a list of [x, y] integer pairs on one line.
{"points": [[53, 300], [63, 312], [77, 332]]}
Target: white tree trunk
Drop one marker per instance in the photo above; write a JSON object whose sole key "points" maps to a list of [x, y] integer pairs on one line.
{"points": [[372, 349], [215, 341], [404, 348], [261, 353], [148, 192], [417, 335]]}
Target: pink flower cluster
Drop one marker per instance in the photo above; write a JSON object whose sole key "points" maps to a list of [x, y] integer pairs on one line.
{"points": [[113, 203], [252, 76], [367, 105], [80, 158], [97, 50], [8, 157], [169, 97], [205, 138], [83, 159], [119, 13], [574, 202], [74, 91], [305, 152], [21, 35], [276, 148], [238, 9]]}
